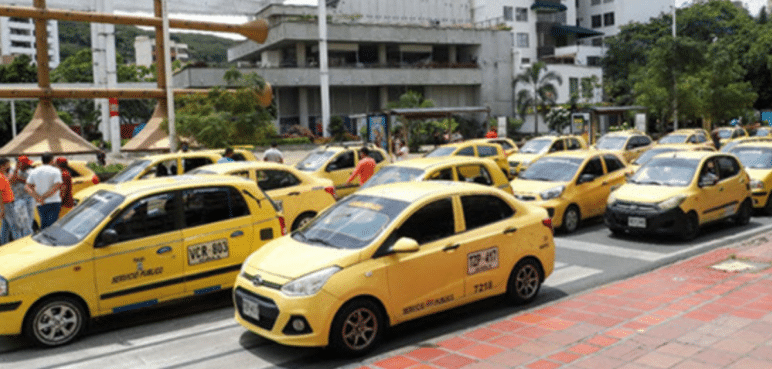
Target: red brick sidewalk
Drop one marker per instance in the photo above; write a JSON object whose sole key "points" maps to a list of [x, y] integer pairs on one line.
{"points": [[686, 315]]}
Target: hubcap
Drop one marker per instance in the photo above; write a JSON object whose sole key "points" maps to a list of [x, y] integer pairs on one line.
{"points": [[56, 323], [360, 329], [572, 220], [527, 281], [303, 222]]}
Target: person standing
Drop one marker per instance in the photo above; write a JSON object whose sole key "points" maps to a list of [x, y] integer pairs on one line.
{"points": [[365, 167], [6, 198], [66, 190], [492, 133], [23, 203], [43, 184], [402, 151], [226, 158], [273, 154]]}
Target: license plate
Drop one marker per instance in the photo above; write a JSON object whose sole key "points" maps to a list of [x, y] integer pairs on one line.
{"points": [[481, 261], [250, 308], [636, 222], [208, 251]]}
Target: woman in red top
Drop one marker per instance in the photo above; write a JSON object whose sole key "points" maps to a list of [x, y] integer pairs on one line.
{"points": [[66, 190]]}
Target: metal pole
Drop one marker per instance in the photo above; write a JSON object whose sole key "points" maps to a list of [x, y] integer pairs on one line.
{"points": [[168, 76], [675, 86], [324, 73], [13, 117], [111, 75]]}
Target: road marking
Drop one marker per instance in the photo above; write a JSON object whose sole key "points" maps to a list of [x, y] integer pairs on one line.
{"points": [[559, 265], [609, 250], [569, 274]]}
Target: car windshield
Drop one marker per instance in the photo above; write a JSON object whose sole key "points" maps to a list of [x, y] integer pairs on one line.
{"points": [[666, 171], [552, 169], [314, 160], [536, 146], [754, 157], [646, 156], [352, 223], [611, 143], [762, 132], [130, 172], [441, 151], [392, 174], [729, 146], [724, 133], [673, 139], [78, 223]]}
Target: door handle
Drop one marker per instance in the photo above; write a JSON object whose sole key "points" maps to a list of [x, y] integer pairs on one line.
{"points": [[605, 183], [720, 189], [237, 234], [451, 247], [293, 193], [163, 250], [510, 230]]}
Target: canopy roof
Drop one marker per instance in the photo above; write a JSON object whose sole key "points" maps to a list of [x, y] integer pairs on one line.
{"points": [[426, 113], [580, 32], [152, 137]]}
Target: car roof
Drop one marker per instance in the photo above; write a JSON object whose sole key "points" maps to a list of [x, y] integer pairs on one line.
{"points": [[694, 154], [414, 191], [580, 153], [244, 165], [426, 163], [754, 143], [175, 155], [173, 182]]}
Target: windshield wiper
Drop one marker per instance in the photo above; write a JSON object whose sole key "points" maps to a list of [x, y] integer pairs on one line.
{"points": [[649, 182], [49, 238], [319, 240]]}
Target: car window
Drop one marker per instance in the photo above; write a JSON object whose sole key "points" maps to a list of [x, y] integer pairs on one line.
{"points": [[238, 157], [736, 133], [573, 144], [150, 216], [632, 143], [593, 167], [241, 174], [442, 175], [709, 167], [481, 210], [700, 138], [644, 140], [692, 139], [376, 155], [192, 163], [432, 222], [474, 173], [344, 160], [212, 204], [272, 179], [727, 167], [485, 151], [466, 151], [612, 163], [504, 144], [314, 160], [162, 169], [558, 145]]}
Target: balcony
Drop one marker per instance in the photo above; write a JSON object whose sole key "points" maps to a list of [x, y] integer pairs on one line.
{"points": [[546, 6]]}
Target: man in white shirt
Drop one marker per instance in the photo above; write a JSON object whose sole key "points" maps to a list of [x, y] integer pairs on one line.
{"points": [[273, 154], [402, 151], [43, 185]]}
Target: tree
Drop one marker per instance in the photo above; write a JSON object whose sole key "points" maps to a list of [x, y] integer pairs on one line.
{"points": [[415, 130], [20, 70], [558, 118], [542, 91], [723, 93]]}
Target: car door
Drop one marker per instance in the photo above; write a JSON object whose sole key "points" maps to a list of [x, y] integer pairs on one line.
{"points": [[423, 281], [489, 232], [285, 189], [217, 236], [733, 182], [558, 145], [145, 264], [189, 164], [711, 203], [474, 173], [339, 169], [592, 193], [615, 172]]}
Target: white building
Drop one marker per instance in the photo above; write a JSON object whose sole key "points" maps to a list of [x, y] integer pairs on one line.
{"points": [[608, 16], [17, 37], [144, 51]]}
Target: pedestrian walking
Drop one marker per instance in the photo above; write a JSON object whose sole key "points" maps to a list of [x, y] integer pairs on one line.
{"points": [[273, 154], [43, 184], [23, 204], [6, 198], [365, 167], [66, 190]]}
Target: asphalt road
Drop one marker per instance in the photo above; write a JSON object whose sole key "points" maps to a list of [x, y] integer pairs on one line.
{"points": [[201, 333]]}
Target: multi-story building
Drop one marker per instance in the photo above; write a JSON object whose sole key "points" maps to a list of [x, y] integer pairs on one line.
{"points": [[144, 51], [17, 37], [608, 16]]}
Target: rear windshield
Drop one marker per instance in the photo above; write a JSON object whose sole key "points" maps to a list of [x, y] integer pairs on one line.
{"points": [[441, 151], [672, 139], [535, 146], [754, 157], [130, 172], [646, 156], [611, 143], [314, 160], [393, 174], [81, 221]]}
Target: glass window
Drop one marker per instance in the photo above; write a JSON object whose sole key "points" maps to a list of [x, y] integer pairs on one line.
{"points": [[441, 151], [522, 39], [474, 173], [485, 151], [608, 19], [393, 174], [596, 23], [593, 167], [146, 217], [508, 14], [314, 160], [504, 144], [558, 146], [612, 163], [467, 151], [376, 155], [521, 14], [344, 160], [432, 222], [481, 210], [442, 175], [666, 171], [552, 169], [536, 146], [754, 157], [272, 179], [212, 204], [573, 144], [611, 143], [78, 223], [701, 138], [162, 169], [192, 163], [727, 167], [595, 2]]}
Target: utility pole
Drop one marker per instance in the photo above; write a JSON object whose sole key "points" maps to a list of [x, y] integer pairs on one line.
{"points": [[675, 86], [324, 72]]}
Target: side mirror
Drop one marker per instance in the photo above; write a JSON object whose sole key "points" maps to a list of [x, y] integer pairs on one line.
{"points": [[584, 178], [108, 237], [331, 167], [405, 245], [708, 180]]}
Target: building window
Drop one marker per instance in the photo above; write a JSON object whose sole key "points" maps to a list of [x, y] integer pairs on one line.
{"points": [[573, 86], [525, 61], [608, 1], [608, 19], [508, 16], [521, 14], [596, 21], [593, 61], [25, 45], [598, 41], [522, 39], [595, 2]]}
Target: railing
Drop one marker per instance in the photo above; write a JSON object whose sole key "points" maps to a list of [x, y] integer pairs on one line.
{"points": [[427, 65]]}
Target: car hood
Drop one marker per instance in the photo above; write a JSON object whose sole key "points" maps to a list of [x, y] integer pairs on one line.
{"points": [[291, 259], [646, 193], [528, 186], [759, 174], [26, 256], [88, 191]]}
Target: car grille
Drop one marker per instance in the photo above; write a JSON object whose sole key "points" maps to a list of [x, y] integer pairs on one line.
{"points": [[268, 309], [632, 206], [525, 197], [513, 164]]}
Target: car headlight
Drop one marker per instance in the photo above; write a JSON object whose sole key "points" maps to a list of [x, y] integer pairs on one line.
{"points": [[552, 193], [671, 202], [757, 185], [309, 284], [3, 287]]}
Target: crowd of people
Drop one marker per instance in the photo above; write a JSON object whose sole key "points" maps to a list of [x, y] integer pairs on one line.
{"points": [[46, 188]]}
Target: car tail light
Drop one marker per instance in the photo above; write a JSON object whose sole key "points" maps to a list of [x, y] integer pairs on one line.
{"points": [[95, 179], [282, 225], [331, 190], [547, 223]]}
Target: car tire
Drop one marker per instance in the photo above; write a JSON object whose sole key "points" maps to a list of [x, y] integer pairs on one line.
{"points": [[616, 231], [302, 220], [768, 206], [743, 216], [571, 219], [55, 321], [524, 282], [357, 328], [691, 227]]}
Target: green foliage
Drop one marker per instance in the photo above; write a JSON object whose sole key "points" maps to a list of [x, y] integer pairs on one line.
{"points": [[558, 118], [20, 70], [336, 129], [284, 141], [540, 91], [418, 131], [513, 126], [109, 168]]}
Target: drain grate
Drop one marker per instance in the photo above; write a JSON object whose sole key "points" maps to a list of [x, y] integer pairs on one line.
{"points": [[734, 266]]}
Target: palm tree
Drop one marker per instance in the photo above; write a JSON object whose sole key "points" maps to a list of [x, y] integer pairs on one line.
{"points": [[541, 92]]}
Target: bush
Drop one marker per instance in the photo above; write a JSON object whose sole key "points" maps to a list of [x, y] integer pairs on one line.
{"points": [[285, 141], [109, 168]]}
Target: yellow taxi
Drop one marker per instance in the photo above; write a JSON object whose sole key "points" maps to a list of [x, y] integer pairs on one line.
{"points": [[664, 148], [731, 144], [756, 157], [727, 134], [509, 146], [361, 265], [133, 246], [452, 168], [240, 153], [480, 148], [677, 193], [336, 163], [691, 136], [537, 147], [298, 195], [571, 185], [762, 132], [628, 143]]}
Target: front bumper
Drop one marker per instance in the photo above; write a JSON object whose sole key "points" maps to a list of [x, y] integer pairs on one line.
{"points": [[12, 311], [277, 311], [657, 221], [760, 199]]}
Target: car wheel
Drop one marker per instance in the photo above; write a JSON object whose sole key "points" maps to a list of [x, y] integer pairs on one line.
{"points": [[357, 328], [691, 227], [571, 219], [768, 206], [524, 282], [302, 220], [55, 322], [743, 216], [618, 232]]}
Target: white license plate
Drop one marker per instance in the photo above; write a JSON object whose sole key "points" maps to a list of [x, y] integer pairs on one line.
{"points": [[636, 222], [208, 251], [483, 260], [250, 308]]}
